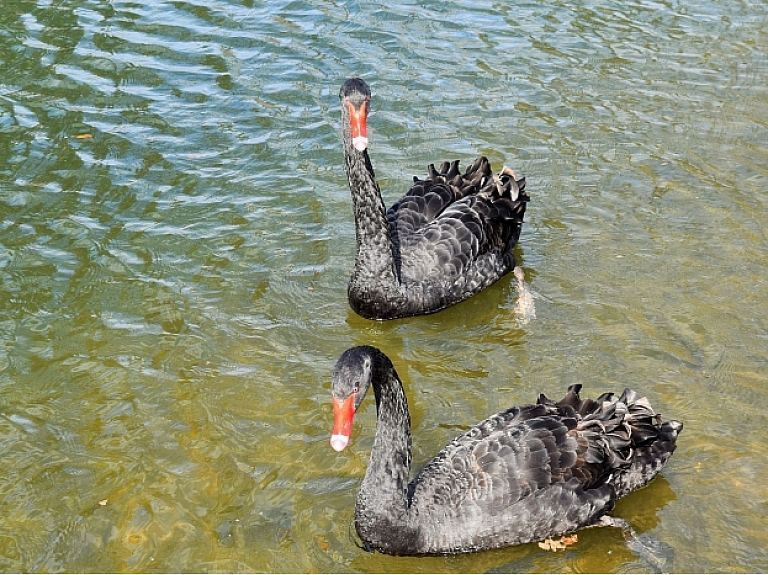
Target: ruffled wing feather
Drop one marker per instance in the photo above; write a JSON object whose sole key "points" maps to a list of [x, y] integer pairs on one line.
{"points": [[447, 225]]}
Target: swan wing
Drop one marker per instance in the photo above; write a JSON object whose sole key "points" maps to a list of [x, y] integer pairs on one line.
{"points": [[505, 459], [517, 477], [448, 224]]}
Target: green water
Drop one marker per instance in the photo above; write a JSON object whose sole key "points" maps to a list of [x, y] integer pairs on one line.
{"points": [[176, 238]]}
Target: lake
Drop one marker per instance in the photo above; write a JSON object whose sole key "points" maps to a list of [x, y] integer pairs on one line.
{"points": [[176, 238]]}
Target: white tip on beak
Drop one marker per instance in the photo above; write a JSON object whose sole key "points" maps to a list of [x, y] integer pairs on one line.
{"points": [[360, 143], [339, 442]]}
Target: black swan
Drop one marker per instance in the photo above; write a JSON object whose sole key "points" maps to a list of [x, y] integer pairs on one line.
{"points": [[522, 475], [448, 238]]}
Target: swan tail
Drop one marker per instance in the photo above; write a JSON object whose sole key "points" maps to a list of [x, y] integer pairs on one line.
{"points": [[506, 201], [477, 179], [620, 434]]}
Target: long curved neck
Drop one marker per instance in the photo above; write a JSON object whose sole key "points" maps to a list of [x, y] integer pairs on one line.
{"points": [[382, 504], [375, 256]]}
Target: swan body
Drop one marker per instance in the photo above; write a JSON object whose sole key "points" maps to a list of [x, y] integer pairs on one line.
{"points": [[522, 475], [448, 238]]}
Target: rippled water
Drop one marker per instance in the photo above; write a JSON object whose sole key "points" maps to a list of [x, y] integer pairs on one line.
{"points": [[176, 237]]}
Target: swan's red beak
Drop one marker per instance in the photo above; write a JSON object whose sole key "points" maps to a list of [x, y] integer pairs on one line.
{"points": [[358, 120], [343, 414]]}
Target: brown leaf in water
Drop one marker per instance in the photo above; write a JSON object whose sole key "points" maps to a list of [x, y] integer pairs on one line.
{"points": [[555, 545], [570, 539], [551, 545]]}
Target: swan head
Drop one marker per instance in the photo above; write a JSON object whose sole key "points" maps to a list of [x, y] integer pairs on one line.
{"points": [[355, 96], [352, 376]]}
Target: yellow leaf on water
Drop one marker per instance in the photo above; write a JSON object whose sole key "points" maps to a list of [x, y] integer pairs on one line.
{"points": [[551, 545], [555, 545]]}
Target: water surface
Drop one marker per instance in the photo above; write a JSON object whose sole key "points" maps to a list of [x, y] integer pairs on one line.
{"points": [[176, 238]]}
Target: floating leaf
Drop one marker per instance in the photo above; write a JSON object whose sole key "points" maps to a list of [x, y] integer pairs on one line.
{"points": [[555, 545], [551, 545], [569, 539]]}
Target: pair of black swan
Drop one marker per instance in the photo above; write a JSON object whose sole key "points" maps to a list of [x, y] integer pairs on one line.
{"points": [[522, 475]]}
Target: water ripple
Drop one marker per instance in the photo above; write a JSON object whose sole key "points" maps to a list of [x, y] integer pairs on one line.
{"points": [[176, 237]]}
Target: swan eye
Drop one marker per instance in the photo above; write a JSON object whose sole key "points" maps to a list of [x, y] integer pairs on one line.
{"points": [[356, 388]]}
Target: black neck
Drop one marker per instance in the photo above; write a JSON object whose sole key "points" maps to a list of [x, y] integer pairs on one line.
{"points": [[383, 497], [375, 256]]}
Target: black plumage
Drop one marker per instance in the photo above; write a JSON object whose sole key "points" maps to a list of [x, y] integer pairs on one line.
{"points": [[448, 238], [524, 474]]}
